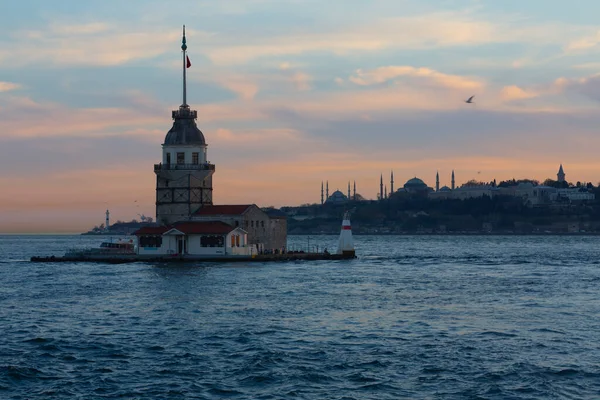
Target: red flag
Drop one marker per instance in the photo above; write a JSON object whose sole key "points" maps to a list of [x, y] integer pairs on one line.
{"points": [[189, 63]]}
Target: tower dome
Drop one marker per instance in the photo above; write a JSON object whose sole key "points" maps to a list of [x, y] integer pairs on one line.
{"points": [[184, 130]]}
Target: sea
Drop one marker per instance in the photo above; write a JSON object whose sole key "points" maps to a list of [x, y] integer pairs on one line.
{"points": [[413, 317]]}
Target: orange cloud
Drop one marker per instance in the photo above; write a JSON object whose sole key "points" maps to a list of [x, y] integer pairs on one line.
{"points": [[384, 74], [514, 92]]}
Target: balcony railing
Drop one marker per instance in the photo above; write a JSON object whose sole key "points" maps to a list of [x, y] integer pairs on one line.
{"points": [[183, 167]]}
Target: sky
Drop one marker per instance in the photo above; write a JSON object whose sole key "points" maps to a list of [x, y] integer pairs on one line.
{"points": [[289, 94]]}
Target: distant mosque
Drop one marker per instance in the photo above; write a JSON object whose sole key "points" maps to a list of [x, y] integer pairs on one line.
{"points": [[416, 186], [412, 186], [337, 197]]}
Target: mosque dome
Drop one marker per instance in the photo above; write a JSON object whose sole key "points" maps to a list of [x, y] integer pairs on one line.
{"points": [[445, 189], [184, 130], [415, 183], [337, 197]]}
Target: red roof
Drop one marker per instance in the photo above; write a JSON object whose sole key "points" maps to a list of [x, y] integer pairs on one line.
{"points": [[202, 227], [235, 209], [151, 230]]}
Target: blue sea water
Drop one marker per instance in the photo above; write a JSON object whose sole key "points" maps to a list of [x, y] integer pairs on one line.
{"points": [[416, 317]]}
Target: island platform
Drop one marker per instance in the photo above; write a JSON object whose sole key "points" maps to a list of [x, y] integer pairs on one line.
{"points": [[132, 258]]}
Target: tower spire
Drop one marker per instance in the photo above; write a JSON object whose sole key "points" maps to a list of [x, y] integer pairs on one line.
{"points": [[561, 174], [381, 187], [392, 183], [437, 181], [184, 49], [354, 197], [348, 190]]}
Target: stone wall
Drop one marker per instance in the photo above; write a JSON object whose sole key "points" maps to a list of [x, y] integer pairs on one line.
{"points": [[180, 193], [278, 232], [267, 232]]}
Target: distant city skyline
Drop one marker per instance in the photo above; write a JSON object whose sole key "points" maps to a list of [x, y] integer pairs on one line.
{"points": [[288, 94]]}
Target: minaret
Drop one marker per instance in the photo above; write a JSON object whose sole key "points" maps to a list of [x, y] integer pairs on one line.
{"points": [[354, 197], [107, 221], [392, 184], [348, 190], [561, 174], [437, 181], [322, 194], [327, 192], [381, 187], [385, 193], [453, 183], [184, 177]]}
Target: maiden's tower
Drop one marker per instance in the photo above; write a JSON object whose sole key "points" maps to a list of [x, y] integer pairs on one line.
{"points": [[184, 197], [184, 177]]}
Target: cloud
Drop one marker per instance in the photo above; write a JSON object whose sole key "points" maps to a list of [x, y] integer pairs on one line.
{"points": [[384, 74], [245, 88], [416, 32], [8, 86], [55, 120], [588, 86], [258, 137], [92, 28], [584, 43], [302, 81], [95, 43], [513, 92], [115, 43]]}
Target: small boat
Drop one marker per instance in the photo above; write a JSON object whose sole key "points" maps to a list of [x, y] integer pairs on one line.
{"points": [[118, 247]]}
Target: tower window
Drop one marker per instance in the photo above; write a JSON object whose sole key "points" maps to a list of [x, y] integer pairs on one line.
{"points": [[168, 158], [195, 158], [180, 158]]}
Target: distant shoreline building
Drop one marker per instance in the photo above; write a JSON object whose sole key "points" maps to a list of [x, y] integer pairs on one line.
{"points": [[530, 194]]}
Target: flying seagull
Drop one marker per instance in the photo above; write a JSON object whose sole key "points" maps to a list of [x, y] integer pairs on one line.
{"points": [[470, 100]]}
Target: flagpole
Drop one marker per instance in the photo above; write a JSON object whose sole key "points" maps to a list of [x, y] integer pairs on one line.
{"points": [[184, 48]]}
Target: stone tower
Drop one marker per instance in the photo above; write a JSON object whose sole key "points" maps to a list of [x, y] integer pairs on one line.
{"points": [[561, 174], [184, 178]]}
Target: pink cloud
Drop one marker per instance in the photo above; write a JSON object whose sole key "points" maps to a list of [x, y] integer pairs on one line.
{"points": [[384, 74], [8, 86]]}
